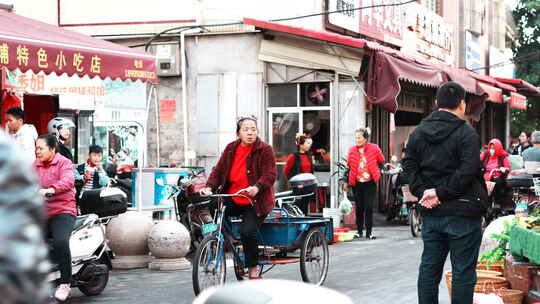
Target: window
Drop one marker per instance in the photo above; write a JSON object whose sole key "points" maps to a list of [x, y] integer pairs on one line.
{"points": [[282, 95], [315, 95], [300, 108]]}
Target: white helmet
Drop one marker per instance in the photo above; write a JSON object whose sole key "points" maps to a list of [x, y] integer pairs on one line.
{"points": [[57, 123]]}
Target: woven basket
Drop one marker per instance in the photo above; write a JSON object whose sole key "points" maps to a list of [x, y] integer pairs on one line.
{"points": [[497, 266], [488, 273], [481, 282], [510, 296]]}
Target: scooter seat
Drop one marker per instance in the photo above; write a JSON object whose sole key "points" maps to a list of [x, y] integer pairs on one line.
{"points": [[80, 221]]}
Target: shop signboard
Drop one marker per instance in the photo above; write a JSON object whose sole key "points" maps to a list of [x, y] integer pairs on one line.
{"points": [[52, 57], [501, 63], [384, 23], [79, 93], [432, 35], [348, 19], [380, 19], [518, 101]]}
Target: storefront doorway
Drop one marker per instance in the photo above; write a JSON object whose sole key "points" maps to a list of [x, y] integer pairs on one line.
{"points": [[300, 108]]}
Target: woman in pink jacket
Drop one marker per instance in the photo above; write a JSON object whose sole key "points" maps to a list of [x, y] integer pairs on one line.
{"points": [[57, 183]]}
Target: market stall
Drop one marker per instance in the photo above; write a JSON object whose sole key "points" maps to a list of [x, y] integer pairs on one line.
{"points": [[50, 71]]}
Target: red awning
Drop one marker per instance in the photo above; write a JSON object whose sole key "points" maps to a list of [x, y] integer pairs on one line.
{"points": [[494, 94], [384, 73], [518, 101], [302, 32], [27, 44], [387, 66], [522, 86], [492, 81]]}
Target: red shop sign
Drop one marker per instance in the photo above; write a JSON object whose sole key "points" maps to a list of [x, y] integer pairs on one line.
{"points": [[382, 23], [518, 101]]}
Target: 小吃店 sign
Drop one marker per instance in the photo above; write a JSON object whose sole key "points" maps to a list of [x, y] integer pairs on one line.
{"points": [[27, 44]]}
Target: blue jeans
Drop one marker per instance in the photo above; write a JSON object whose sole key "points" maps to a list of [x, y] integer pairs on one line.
{"points": [[461, 237]]}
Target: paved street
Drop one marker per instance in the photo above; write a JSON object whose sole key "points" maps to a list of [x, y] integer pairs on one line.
{"points": [[377, 271]]}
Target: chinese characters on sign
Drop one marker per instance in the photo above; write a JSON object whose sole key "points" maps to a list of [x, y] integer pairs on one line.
{"points": [[348, 19], [25, 57], [433, 36], [52, 84], [384, 23]]}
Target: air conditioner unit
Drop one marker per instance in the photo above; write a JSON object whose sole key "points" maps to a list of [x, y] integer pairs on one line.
{"points": [[168, 58]]}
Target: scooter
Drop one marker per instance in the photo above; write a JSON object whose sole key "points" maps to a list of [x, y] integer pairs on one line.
{"points": [[303, 185], [90, 256]]}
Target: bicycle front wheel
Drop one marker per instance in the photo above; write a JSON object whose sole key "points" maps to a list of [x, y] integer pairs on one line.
{"points": [[314, 257], [209, 268]]}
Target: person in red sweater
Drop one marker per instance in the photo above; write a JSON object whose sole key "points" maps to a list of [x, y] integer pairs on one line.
{"points": [[300, 162], [57, 178], [364, 162], [247, 163]]}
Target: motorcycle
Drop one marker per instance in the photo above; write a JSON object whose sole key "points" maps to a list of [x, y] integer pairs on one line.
{"points": [[396, 206], [90, 256], [191, 209], [525, 190], [120, 177]]}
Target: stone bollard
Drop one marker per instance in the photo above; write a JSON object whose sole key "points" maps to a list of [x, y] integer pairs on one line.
{"points": [[169, 242], [128, 239]]}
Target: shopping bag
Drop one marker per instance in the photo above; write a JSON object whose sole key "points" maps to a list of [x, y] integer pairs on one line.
{"points": [[345, 206], [484, 298]]}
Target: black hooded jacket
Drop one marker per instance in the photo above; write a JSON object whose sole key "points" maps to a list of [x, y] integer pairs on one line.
{"points": [[444, 153]]}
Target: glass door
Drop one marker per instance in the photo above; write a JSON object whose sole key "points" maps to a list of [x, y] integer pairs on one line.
{"points": [[284, 125]]}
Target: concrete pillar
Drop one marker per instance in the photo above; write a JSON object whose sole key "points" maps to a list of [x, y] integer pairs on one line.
{"points": [[128, 239], [169, 242]]}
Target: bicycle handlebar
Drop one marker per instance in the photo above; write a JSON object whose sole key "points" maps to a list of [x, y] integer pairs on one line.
{"points": [[237, 194]]}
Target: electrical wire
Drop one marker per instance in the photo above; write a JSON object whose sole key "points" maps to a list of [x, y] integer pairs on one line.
{"points": [[509, 61], [343, 10], [188, 27]]}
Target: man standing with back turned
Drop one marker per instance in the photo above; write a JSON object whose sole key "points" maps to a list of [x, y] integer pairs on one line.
{"points": [[444, 169]]}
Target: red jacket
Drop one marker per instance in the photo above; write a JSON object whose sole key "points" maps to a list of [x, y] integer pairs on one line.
{"points": [[59, 175], [374, 158], [500, 159], [261, 172]]}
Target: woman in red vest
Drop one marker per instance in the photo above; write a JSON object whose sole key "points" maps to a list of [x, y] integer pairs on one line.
{"points": [[364, 162], [247, 163], [300, 162]]}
